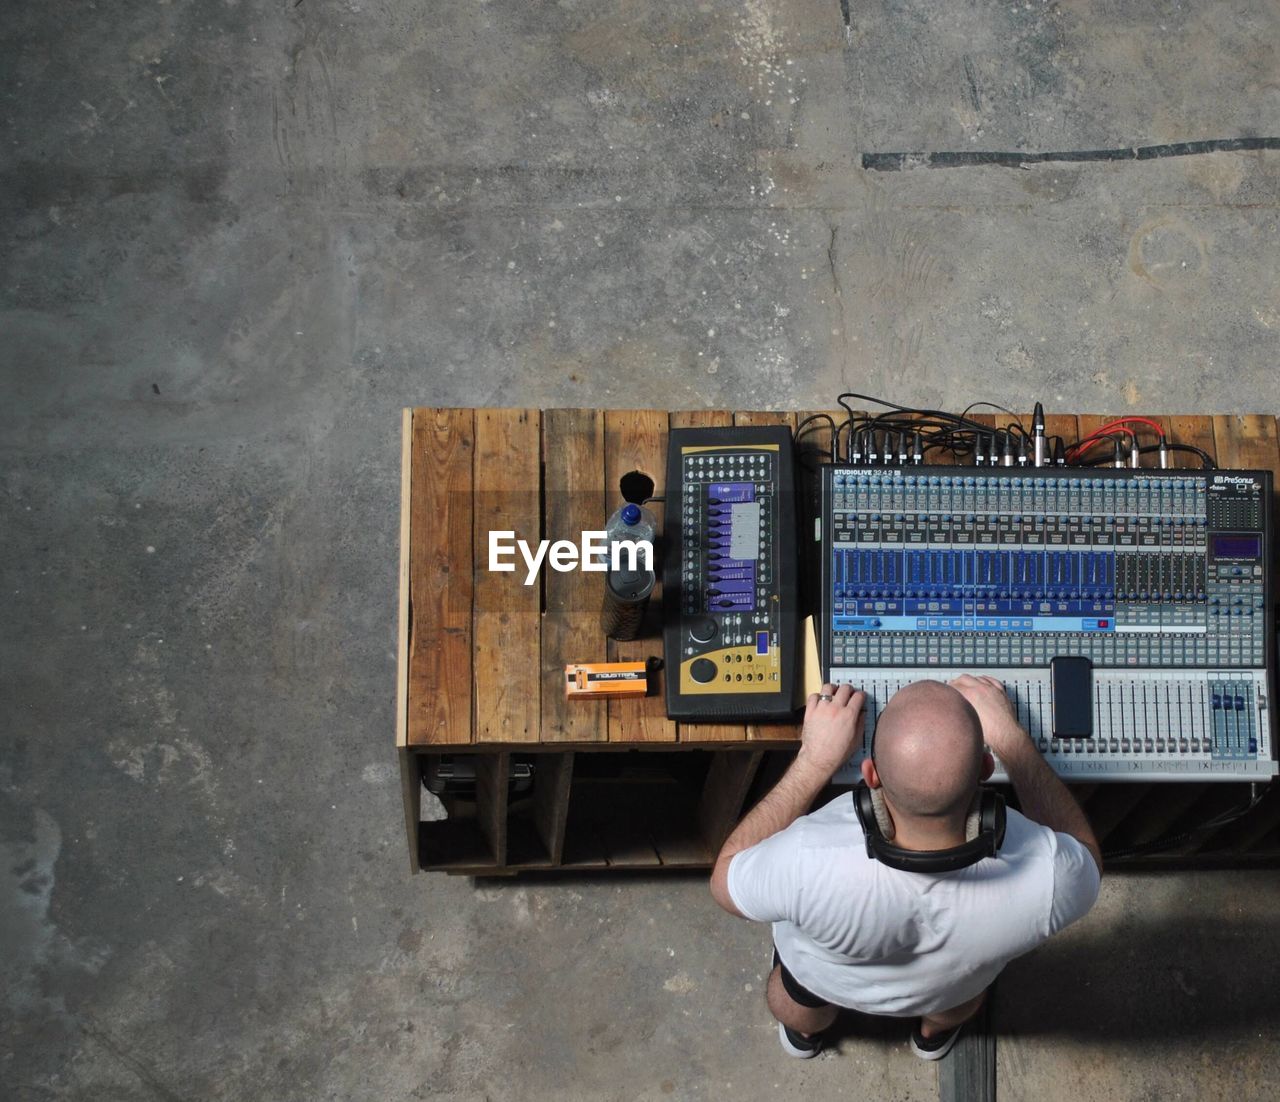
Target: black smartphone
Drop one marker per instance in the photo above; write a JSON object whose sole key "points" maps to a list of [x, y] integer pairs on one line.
{"points": [[1071, 690]]}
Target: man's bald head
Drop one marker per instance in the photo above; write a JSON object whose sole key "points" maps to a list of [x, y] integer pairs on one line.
{"points": [[928, 750]]}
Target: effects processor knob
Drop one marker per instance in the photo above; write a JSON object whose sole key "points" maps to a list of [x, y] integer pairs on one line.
{"points": [[702, 630], [702, 670]]}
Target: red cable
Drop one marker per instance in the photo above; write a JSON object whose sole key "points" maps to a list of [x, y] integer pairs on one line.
{"points": [[1097, 436]]}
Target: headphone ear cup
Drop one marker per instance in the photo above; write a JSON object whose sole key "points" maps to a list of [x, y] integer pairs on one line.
{"points": [[883, 819], [994, 817], [973, 819]]}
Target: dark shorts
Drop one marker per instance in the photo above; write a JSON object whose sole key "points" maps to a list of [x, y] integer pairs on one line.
{"points": [[793, 987]]}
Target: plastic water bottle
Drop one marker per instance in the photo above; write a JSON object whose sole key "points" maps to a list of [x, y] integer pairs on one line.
{"points": [[632, 522], [627, 589]]}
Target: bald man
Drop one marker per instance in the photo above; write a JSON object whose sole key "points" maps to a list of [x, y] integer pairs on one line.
{"points": [[848, 930]]}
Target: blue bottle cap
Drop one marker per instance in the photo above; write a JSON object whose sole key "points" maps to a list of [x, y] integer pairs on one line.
{"points": [[630, 514]]}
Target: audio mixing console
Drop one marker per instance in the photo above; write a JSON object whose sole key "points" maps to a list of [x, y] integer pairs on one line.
{"points": [[1159, 578]]}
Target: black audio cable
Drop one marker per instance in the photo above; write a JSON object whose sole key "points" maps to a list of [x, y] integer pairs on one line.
{"points": [[803, 427], [1206, 460]]}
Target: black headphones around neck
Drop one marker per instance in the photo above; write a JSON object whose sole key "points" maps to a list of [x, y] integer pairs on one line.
{"points": [[984, 832]]}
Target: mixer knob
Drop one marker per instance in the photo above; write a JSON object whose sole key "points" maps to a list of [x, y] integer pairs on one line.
{"points": [[702, 670]]}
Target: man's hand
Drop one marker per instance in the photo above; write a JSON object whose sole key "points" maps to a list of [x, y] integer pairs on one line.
{"points": [[832, 728], [1000, 725]]}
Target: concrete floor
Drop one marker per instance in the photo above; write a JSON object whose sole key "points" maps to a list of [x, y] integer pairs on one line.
{"points": [[239, 236]]}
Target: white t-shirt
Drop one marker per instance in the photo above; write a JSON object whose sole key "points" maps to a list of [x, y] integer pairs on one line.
{"points": [[862, 935]]}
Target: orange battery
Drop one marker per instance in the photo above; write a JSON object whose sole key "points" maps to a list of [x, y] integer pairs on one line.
{"points": [[606, 679]]}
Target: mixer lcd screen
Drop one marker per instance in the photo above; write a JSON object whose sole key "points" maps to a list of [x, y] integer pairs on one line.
{"points": [[1236, 547]]}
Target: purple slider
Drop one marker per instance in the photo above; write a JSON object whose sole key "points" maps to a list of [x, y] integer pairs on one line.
{"points": [[743, 585], [731, 573]]}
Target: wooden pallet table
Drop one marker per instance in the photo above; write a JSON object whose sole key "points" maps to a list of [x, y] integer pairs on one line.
{"points": [[616, 784]]}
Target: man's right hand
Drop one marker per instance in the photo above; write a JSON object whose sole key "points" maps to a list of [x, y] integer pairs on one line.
{"points": [[1042, 795], [1000, 725]]}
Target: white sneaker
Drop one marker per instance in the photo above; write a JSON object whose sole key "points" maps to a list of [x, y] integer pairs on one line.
{"points": [[934, 1048], [797, 1044]]}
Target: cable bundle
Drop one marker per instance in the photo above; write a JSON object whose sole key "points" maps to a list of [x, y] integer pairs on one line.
{"points": [[907, 435]]}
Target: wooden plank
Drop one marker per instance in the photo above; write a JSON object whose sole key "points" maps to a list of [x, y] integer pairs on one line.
{"points": [[455, 845], [773, 731], [440, 583], [764, 417], [968, 1072], [1088, 423], [706, 732], [1248, 834], [673, 831], [492, 771], [608, 823], [402, 614], [726, 787], [507, 629], [814, 440], [411, 798], [1061, 424], [987, 419], [1160, 808], [1216, 800], [1246, 442], [574, 502], [1195, 430], [410, 784], [1110, 806], [551, 782], [636, 440]]}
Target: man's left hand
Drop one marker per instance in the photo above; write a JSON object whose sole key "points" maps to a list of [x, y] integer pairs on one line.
{"points": [[833, 727]]}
